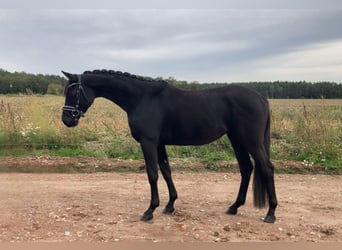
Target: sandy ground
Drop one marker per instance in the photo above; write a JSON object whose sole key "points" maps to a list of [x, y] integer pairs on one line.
{"points": [[106, 207]]}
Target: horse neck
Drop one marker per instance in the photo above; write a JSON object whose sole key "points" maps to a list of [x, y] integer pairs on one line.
{"points": [[126, 93]]}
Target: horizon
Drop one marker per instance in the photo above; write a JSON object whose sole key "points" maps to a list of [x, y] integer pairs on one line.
{"points": [[180, 81]]}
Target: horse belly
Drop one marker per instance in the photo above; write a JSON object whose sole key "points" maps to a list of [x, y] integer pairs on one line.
{"points": [[194, 120], [192, 135]]}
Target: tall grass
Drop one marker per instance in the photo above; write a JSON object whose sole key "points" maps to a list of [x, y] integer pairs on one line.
{"points": [[309, 131], [29, 125]]}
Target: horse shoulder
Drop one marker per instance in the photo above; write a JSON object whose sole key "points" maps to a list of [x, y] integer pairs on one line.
{"points": [[145, 119]]}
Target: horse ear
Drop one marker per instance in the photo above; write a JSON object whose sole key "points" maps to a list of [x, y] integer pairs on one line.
{"points": [[70, 76]]}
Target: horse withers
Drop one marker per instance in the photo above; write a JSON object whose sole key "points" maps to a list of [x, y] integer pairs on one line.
{"points": [[160, 114]]}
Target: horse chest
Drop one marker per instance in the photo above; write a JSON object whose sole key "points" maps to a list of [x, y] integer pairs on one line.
{"points": [[144, 127]]}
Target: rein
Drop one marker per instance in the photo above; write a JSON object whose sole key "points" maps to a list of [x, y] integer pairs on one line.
{"points": [[75, 110]]}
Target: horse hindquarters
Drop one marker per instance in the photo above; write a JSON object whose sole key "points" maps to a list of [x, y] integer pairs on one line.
{"points": [[250, 135]]}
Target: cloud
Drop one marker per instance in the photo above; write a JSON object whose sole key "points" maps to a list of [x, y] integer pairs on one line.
{"points": [[174, 52], [317, 62], [175, 4], [203, 45]]}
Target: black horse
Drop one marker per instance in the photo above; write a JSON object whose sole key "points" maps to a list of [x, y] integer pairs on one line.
{"points": [[159, 114]]}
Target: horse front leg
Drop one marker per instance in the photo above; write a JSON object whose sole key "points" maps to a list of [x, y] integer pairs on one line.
{"points": [[166, 171], [151, 159]]}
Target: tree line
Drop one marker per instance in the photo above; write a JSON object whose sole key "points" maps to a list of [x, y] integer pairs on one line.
{"points": [[282, 89], [25, 83]]}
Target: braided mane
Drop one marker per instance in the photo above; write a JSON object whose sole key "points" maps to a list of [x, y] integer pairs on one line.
{"points": [[119, 73]]}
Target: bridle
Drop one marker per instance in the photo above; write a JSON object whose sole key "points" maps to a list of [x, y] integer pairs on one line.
{"points": [[75, 111]]}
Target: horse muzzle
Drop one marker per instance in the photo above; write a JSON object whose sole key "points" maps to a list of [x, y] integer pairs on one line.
{"points": [[69, 120], [71, 115]]}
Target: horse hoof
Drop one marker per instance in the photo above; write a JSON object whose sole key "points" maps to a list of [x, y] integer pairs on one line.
{"points": [[146, 217], [269, 219], [168, 210], [231, 211]]}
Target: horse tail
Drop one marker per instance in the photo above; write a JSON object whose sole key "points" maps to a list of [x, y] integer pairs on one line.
{"points": [[267, 136], [260, 180], [259, 189]]}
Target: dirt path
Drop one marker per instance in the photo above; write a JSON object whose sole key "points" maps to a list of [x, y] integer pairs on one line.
{"points": [[107, 206]]}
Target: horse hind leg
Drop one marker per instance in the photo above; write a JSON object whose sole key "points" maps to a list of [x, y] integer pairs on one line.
{"points": [[246, 168], [263, 185]]}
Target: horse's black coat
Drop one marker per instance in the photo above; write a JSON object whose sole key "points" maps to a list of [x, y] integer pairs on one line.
{"points": [[159, 114]]}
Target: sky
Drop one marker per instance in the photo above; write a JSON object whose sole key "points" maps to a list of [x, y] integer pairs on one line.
{"points": [[204, 41]]}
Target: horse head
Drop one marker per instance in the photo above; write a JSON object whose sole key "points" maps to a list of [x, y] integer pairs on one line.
{"points": [[78, 98]]}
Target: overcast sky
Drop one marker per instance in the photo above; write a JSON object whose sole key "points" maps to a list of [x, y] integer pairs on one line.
{"points": [[201, 43]]}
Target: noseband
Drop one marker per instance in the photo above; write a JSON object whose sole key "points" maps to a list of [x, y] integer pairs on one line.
{"points": [[75, 110]]}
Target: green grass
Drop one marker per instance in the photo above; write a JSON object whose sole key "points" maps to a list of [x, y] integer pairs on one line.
{"points": [[308, 131]]}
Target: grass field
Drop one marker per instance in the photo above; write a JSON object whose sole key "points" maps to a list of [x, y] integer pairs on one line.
{"points": [[304, 130]]}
